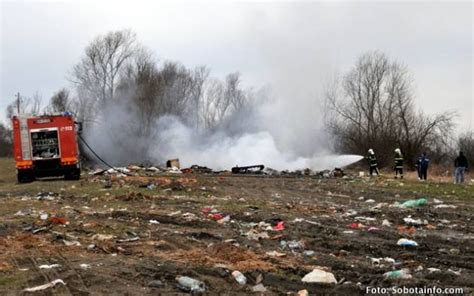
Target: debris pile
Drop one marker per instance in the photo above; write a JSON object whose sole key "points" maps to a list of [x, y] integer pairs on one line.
{"points": [[173, 167]]}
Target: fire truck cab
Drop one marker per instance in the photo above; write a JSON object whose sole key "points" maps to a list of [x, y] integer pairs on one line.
{"points": [[46, 146]]}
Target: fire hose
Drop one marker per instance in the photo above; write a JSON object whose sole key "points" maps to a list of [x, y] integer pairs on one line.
{"points": [[98, 157]]}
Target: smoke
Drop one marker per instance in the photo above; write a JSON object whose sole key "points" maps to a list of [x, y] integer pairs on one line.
{"points": [[283, 129], [221, 151], [258, 134]]}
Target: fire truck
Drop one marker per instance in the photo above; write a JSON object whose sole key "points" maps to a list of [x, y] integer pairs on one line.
{"points": [[46, 146]]}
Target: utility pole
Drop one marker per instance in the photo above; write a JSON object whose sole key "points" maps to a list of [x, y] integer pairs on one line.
{"points": [[18, 103]]}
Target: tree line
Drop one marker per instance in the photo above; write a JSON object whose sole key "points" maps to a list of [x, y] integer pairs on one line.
{"points": [[371, 106]]}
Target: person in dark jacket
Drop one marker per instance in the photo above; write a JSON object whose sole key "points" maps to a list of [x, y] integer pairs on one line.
{"points": [[461, 165], [398, 163], [373, 165], [418, 166], [422, 166]]}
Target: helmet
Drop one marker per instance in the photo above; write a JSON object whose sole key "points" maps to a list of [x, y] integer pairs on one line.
{"points": [[398, 151], [371, 151]]}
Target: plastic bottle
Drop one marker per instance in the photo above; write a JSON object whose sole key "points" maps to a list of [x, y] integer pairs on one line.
{"points": [[398, 274], [407, 243], [415, 203], [239, 277], [191, 284]]}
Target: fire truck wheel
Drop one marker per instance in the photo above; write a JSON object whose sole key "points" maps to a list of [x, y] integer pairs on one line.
{"points": [[74, 174], [25, 176]]}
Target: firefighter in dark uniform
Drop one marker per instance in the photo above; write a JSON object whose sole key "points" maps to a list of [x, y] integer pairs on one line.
{"points": [[398, 163], [373, 165]]}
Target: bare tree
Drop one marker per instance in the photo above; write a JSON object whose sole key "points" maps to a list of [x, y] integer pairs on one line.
{"points": [[6, 146], [28, 105], [211, 103], [96, 75], [115, 67], [60, 101], [360, 106], [373, 107], [34, 104], [118, 76], [221, 99], [11, 110], [198, 79], [466, 145], [176, 84], [139, 88]]}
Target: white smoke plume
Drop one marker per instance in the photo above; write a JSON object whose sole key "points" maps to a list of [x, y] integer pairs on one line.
{"points": [[284, 132], [221, 151], [262, 135]]}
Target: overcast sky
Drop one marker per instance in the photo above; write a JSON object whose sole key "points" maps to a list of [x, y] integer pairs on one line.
{"points": [[293, 47]]}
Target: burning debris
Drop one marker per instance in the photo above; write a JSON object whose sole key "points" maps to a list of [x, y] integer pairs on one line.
{"points": [[197, 169], [251, 169], [173, 164], [171, 168]]}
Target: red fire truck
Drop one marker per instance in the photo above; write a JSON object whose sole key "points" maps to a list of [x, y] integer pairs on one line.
{"points": [[46, 146]]}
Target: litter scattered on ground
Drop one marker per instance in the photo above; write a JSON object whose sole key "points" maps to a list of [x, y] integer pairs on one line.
{"points": [[255, 235], [411, 221], [190, 285], [415, 203], [319, 276], [46, 196], [239, 277], [156, 284], [248, 169], [398, 274], [169, 230], [303, 292], [382, 260], [46, 266], [292, 245], [407, 243], [260, 288], [128, 240], [58, 220], [102, 237], [275, 254], [280, 226], [442, 206], [45, 286]]}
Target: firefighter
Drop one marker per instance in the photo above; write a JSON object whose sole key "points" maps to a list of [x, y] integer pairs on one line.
{"points": [[422, 166], [373, 165], [398, 163]]}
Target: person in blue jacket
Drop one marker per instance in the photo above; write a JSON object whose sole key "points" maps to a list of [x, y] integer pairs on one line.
{"points": [[422, 164]]}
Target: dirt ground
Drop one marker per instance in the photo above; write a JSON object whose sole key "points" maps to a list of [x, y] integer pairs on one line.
{"points": [[131, 239]]}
